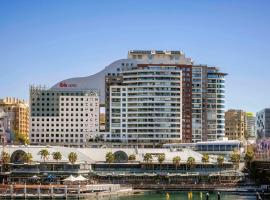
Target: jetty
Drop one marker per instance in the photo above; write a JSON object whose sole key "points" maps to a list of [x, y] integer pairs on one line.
{"points": [[93, 191]]}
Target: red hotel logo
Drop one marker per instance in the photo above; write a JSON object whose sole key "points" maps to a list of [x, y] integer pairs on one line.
{"points": [[67, 85]]}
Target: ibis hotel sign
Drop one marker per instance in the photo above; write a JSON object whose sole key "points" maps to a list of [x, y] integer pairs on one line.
{"points": [[67, 85]]}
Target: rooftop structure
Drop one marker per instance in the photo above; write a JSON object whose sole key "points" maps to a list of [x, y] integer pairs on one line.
{"points": [[93, 155], [223, 147]]}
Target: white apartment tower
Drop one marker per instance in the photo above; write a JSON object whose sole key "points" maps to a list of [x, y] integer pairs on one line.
{"points": [[208, 103], [147, 107]]}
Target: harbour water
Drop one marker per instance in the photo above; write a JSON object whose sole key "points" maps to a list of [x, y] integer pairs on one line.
{"points": [[184, 196]]}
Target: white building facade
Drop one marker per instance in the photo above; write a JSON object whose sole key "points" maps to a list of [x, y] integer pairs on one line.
{"points": [[208, 103], [147, 107], [67, 118]]}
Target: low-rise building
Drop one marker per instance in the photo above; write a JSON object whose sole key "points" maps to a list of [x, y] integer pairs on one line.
{"points": [[128, 166]]}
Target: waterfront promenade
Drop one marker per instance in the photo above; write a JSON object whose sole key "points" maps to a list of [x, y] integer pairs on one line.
{"points": [[57, 191], [99, 191]]}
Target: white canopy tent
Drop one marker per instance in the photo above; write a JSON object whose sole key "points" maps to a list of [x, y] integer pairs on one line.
{"points": [[81, 178], [70, 178]]}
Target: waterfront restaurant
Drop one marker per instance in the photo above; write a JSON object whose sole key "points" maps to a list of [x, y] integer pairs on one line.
{"points": [[92, 163]]}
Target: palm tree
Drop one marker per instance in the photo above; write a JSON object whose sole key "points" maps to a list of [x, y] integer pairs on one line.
{"points": [[5, 160], [132, 157], [249, 156], [220, 161], [161, 158], [176, 161], [205, 159], [72, 157], [191, 162], [110, 158], [235, 158], [57, 156], [44, 153], [28, 158], [147, 158], [21, 138]]}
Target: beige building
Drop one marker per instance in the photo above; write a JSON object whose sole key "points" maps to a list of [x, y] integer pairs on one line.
{"points": [[18, 110], [235, 124]]}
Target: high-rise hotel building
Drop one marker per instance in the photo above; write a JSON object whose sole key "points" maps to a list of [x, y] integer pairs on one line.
{"points": [[67, 117], [156, 97]]}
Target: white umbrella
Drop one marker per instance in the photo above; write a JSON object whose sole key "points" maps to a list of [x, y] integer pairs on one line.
{"points": [[34, 177], [70, 178], [80, 178]]}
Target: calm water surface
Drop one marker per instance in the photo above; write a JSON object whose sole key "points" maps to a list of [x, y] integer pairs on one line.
{"points": [[183, 196]]}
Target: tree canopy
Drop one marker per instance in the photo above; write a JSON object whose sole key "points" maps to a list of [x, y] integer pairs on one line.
{"points": [[220, 160], [132, 157], [205, 158], [72, 157], [44, 153], [110, 158], [176, 160], [249, 156], [191, 161], [147, 157], [161, 158], [28, 158], [57, 156]]}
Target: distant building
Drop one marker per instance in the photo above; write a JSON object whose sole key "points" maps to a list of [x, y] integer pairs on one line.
{"points": [[18, 114], [251, 124], [236, 125], [3, 127], [263, 123], [67, 118]]}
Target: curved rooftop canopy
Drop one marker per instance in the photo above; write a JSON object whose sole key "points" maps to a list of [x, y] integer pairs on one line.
{"points": [[93, 155]]}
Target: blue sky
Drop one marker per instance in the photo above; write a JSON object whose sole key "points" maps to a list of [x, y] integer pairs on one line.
{"points": [[45, 41]]}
